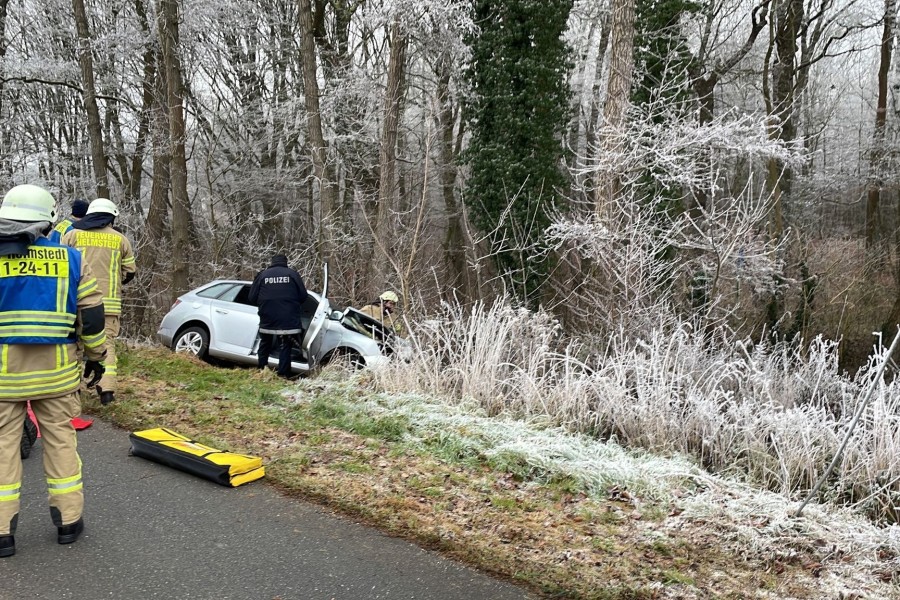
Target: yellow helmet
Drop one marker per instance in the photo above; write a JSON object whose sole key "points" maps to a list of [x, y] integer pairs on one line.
{"points": [[29, 203], [103, 205], [389, 297]]}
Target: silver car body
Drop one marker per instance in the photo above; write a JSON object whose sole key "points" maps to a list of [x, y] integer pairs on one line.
{"points": [[221, 310]]}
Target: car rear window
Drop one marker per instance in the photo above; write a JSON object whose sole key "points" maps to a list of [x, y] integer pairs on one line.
{"points": [[214, 291]]}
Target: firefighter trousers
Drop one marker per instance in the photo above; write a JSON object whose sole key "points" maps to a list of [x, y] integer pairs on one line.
{"points": [[62, 466], [109, 382]]}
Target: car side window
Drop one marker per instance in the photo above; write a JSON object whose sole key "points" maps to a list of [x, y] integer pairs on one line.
{"points": [[215, 291], [242, 295]]}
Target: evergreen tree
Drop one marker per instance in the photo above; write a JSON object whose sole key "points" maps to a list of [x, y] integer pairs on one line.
{"points": [[517, 112]]}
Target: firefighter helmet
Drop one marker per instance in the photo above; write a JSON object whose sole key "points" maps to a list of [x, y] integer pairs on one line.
{"points": [[29, 203], [103, 205]]}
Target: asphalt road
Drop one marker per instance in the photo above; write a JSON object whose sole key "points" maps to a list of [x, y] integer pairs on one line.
{"points": [[154, 532]]}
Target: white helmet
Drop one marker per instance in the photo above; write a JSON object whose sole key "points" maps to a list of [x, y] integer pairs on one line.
{"points": [[103, 205], [29, 203], [389, 297]]}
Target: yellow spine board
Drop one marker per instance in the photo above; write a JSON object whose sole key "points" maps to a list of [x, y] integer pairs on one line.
{"points": [[175, 450]]}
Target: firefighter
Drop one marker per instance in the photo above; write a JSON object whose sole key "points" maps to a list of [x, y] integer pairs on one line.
{"points": [[79, 208], [383, 309], [112, 260], [46, 292], [279, 293]]}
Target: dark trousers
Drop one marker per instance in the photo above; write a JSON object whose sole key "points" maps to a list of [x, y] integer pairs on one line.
{"points": [[266, 343]]}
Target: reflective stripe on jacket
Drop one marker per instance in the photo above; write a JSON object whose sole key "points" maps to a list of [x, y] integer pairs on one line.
{"points": [[110, 256], [61, 229], [40, 295]]}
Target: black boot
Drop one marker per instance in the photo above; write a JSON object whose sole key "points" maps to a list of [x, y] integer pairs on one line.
{"points": [[69, 533], [25, 447], [7, 546], [107, 398], [29, 435]]}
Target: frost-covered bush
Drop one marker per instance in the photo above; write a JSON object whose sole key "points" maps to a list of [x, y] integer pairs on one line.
{"points": [[771, 415], [672, 312]]}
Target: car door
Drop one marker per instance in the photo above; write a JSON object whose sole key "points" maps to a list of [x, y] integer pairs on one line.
{"points": [[234, 323], [312, 341]]}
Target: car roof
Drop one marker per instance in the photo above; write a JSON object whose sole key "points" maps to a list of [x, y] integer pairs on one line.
{"points": [[209, 283], [237, 281]]}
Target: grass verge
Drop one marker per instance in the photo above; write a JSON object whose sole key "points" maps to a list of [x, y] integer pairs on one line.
{"points": [[321, 442]]}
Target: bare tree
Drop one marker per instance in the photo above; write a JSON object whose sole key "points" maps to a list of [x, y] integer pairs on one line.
{"points": [[387, 187], [708, 70], [95, 131], [181, 207], [873, 194], [448, 147], [322, 173], [4, 5], [618, 90]]}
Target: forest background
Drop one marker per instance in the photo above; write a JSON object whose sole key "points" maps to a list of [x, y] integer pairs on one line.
{"points": [[670, 223]]}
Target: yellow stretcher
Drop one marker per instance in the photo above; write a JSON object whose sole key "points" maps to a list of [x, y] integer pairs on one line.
{"points": [[175, 450]]}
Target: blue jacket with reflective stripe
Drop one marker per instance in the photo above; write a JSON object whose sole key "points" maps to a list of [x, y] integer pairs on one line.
{"points": [[62, 228], [39, 294]]}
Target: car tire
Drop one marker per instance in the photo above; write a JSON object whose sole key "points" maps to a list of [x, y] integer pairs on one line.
{"points": [[345, 358], [193, 341]]}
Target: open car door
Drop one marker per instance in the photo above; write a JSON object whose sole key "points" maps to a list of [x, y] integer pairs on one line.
{"points": [[312, 341]]}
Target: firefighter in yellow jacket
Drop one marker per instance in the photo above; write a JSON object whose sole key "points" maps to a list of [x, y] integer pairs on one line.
{"points": [[45, 289], [383, 310], [111, 258]]}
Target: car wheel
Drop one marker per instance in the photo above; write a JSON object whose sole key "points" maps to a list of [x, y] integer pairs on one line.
{"points": [[344, 358], [194, 341]]}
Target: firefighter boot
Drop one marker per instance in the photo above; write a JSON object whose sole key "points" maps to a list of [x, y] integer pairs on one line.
{"points": [[29, 435], [69, 533], [8, 540]]}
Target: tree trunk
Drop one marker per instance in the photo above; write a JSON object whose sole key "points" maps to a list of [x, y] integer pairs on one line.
{"points": [[95, 131], [787, 17], [873, 193], [150, 60], [4, 4], [618, 91], [387, 185], [330, 219], [181, 209], [454, 240], [594, 117], [889, 327]]}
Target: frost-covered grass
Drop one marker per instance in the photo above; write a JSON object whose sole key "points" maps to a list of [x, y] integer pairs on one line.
{"points": [[772, 417], [857, 555]]}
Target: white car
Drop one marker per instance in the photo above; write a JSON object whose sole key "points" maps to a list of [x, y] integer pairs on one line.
{"points": [[216, 320]]}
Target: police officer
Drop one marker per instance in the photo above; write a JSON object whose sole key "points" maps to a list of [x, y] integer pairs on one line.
{"points": [[111, 257], [45, 289], [279, 293]]}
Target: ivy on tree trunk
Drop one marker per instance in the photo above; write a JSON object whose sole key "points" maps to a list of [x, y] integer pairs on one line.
{"points": [[517, 113]]}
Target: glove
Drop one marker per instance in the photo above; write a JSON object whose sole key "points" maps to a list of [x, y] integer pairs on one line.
{"points": [[93, 369], [128, 277]]}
